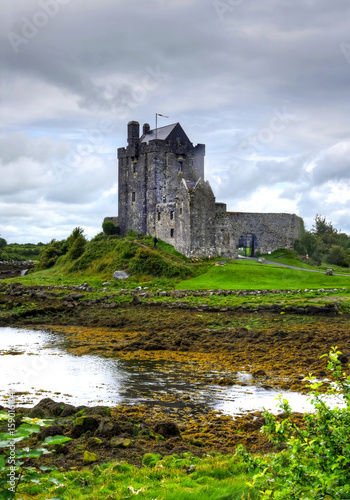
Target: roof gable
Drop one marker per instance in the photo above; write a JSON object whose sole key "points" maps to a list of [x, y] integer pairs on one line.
{"points": [[172, 132]]}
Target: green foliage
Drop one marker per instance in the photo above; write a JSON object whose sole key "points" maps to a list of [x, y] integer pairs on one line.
{"points": [[77, 247], [324, 243], [338, 256], [174, 477], [14, 464], [150, 262], [51, 253], [109, 228], [3, 243], [315, 461], [151, 459]]}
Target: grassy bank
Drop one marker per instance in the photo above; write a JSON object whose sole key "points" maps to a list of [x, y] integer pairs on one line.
{"points": [[174, 477], [251, 275]]}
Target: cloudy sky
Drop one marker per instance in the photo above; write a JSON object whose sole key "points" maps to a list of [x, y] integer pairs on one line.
{"points": [[263, 83]]}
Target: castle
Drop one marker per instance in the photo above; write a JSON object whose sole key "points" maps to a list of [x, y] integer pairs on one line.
{"points": [[162, 193]]}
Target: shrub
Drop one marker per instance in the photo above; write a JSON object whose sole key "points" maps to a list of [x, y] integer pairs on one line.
{"points": [[50, 254], [109, 228], [315, 462]]}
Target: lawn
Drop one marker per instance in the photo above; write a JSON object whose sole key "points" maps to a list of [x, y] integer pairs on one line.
{"points": [[250, 275]]}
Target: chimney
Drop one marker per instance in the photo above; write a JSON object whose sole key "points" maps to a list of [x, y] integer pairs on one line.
{"points": [[133, 133], [146, 128]]}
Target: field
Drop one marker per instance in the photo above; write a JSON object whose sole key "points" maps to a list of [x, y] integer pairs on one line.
{"points": [[250, 275]]}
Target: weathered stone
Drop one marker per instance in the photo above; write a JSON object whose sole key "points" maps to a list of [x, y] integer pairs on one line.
{"points": [[119, 442], [83, 424], [329, 272], [90, 457], [121, 275]]}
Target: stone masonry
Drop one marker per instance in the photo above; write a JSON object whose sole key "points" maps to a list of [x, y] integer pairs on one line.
{"points": [[162, 193]]}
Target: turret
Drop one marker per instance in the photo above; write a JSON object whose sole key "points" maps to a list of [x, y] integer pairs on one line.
{"points": [[133, 133]]}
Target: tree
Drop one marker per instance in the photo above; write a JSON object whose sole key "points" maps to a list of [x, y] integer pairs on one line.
{"points": [[338, 256], [3, 243]]}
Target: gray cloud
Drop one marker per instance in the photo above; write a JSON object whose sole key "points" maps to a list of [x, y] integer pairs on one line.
{"points": [[222, 73]]}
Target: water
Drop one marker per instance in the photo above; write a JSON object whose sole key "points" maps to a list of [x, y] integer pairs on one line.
{"points": [[34, 367]]}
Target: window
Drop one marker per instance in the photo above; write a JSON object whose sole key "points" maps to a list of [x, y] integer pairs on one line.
{"points": [[179, 166], [158, 214], [134, 167], [180, 210], [172, 233], [172, 215], [164, 199], [133, 196]]}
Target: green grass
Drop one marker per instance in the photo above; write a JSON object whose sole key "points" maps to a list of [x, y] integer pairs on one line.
{"points": [[176, 477], [250, 275], [288, 257]]}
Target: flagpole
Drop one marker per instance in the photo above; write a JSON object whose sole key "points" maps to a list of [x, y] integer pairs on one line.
{"points": [[158, 114]]}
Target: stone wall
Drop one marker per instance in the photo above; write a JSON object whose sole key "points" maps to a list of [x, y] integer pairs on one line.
{"points": [[272, 231]]}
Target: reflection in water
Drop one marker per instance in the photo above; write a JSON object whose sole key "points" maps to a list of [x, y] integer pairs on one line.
{"points": [[34, 367]]}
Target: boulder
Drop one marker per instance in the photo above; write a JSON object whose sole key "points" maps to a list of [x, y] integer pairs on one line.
{"points": [[121, 275], [119, 442], [329, 272]]}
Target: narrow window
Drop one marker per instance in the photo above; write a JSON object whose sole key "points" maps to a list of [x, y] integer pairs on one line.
{"points": [[133, 196], [180, 210], [134, 167], [172, 215], [164, 199], [179, 166], [158, 215], [172, 233]]}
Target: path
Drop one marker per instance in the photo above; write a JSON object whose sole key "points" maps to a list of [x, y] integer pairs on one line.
{"points": [[291, 267]]}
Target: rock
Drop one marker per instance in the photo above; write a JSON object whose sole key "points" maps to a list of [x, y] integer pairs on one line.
{"points": [[83, 424], [121, 275], [261, 260], [136, 300], [224, 381], [329, 272], [167, 429], [94, 441], [107, 428], [52, 430], [90, 457], [119, 442], [46, 408], [68, 410]]}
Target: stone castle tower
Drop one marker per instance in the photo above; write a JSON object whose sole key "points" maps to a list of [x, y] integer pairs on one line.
{"points": [[162, 192]]}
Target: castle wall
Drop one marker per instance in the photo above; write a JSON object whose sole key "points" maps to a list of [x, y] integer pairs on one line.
{"points": [[272, 231], [202, 220]]}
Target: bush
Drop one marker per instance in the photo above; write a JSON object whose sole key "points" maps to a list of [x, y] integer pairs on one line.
{"points": [[51, 253], [316, 459], [149, 262], [109, 228]]}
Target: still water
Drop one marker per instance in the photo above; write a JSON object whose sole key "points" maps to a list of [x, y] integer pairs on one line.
{"points": [[33, 367]]}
